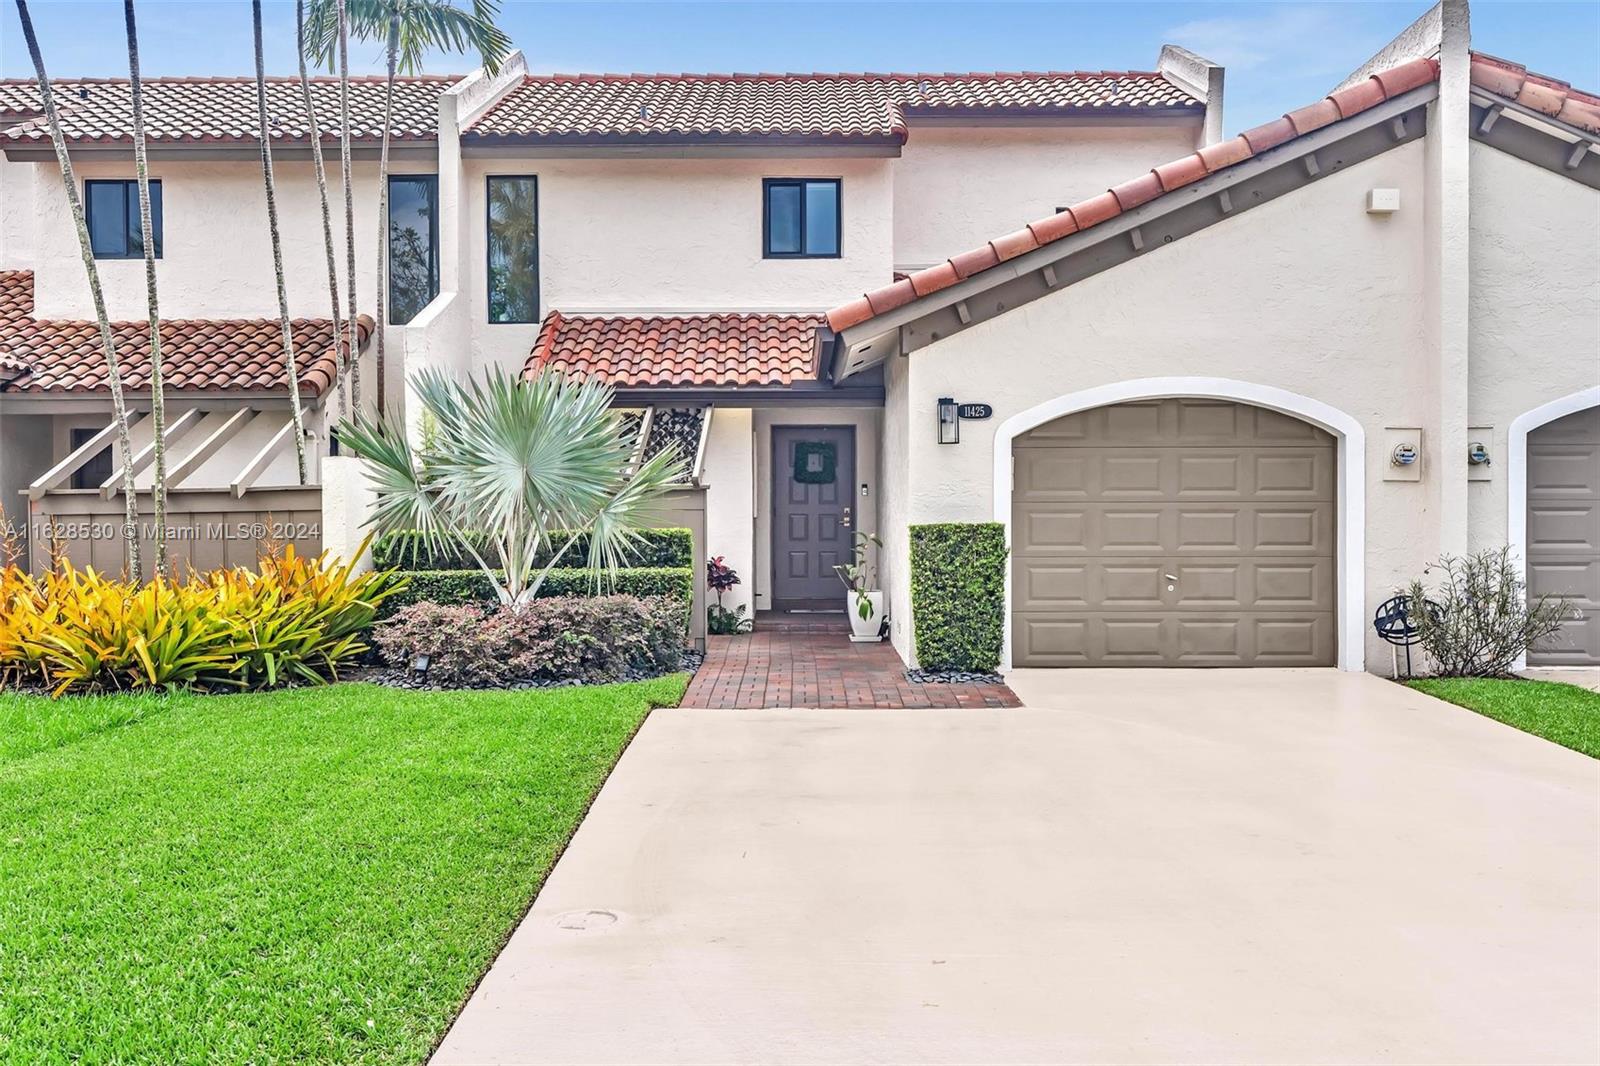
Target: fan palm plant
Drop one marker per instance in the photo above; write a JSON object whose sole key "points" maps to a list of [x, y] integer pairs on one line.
{"points": [[107, 343], [409, 30], [506, 463], [291, 372], [158, 404], [315, 134]]}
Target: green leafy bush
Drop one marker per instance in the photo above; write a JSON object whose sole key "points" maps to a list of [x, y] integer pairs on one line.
{"points": [[407, 550], [562, 638], [473, 586], [958, 581]]}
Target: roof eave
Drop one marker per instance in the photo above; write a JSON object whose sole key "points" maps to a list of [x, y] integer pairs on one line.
{"points": [[1132, 233]]}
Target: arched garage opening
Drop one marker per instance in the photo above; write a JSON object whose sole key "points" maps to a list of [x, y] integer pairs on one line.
{"points": [[1183, 522], [1553, 517]]}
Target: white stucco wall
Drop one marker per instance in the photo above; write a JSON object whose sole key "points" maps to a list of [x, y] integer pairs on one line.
{"points": [[216, 248], [1535, 310], [729, 475], [17, 212], [653, 235], [1307, 293], [956, 187]]}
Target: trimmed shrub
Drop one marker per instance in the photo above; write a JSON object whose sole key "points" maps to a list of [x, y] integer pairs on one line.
{"points": [[958, 582], [473, 586], [405, 550], [593, 639]]}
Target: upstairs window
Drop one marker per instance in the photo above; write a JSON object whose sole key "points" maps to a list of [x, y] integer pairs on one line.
{"points": [[413, 244], [513, 249], [112, 210], [800, 218]]}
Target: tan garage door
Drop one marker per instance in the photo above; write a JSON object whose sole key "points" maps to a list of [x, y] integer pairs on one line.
{"points": [[1564, 532], [1174, 533]]}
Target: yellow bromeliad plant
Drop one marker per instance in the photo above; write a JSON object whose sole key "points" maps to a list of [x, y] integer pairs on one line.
{"points": [[294, 620]]}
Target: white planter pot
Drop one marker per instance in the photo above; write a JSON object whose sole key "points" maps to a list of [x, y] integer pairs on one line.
{"points": [[865, 630]]}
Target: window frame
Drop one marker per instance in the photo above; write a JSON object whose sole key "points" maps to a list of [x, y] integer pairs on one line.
{"points": [[488, 254], [767, 185], [77, 437], [130, 215], [434, 271]]}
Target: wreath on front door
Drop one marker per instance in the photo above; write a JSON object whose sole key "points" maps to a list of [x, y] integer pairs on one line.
{"points": [[816, 462]]}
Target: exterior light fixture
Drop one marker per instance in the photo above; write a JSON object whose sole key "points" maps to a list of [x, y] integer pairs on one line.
{"points": [[1477, 454], [949, 421]]}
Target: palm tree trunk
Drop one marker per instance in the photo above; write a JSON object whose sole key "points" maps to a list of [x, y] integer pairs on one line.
{"points": [[351, 352], [277, 250], [107, 343], [158, 406], [383, 195], [322, 194]]}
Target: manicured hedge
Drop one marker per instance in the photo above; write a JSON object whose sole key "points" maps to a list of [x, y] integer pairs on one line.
{"points": [[404, 550], [472, 586], [958, 583]]}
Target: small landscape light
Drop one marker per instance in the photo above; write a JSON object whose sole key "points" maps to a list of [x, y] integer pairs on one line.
{"points": [[419, 666]]}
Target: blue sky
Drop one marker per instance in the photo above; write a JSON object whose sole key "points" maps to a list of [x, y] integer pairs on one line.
{"points": [[1279, 55]]}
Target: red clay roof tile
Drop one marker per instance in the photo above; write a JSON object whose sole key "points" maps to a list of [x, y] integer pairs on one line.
{"points": [[221, 110], [1018, 242], [632, 107], [680, 350], [1358, 97], [1141, 190], [1054, 227], [1163, 179], [934, 278], [1314, 116], [1180, 172], [63, 355], [1269, 135], [1548, 96], [886, 299], [974, 260]]}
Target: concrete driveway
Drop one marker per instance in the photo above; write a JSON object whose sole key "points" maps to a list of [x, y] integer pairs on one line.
{"points": [[1264, 866]]}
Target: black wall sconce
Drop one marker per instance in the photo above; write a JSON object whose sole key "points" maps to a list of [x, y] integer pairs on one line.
{"points": [[949, 421]]}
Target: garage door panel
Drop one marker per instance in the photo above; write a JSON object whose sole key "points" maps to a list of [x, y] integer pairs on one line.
{"points": [[1572, 526], [1562, 470], [1171, 639], [1577, 579], [1564, 532], [1178, 532], [1182, 529]]}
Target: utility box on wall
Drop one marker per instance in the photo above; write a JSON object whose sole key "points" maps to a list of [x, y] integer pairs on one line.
{"points": [[1402, 454]]}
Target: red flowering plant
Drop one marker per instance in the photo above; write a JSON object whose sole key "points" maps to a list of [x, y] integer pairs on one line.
{"points": [[719, 620]]}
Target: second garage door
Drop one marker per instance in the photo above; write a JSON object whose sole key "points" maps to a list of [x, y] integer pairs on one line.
{"points": [[1564, 532], [1174, 533]]}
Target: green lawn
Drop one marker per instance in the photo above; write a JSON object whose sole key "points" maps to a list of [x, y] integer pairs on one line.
{"points": [[309, 875], [1566, 714]]}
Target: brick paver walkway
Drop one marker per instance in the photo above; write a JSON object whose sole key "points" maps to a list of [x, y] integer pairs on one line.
{"points": [[809, 661]]}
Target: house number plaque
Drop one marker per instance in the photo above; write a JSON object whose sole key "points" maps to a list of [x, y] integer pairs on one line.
{"points": [[974, 411]]}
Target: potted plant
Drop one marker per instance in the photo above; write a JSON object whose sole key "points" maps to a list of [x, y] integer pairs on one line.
{"points": [[866, 612], [719, 620]]}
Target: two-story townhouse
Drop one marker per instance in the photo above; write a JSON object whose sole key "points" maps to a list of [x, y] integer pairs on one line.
{"points": [[1231, 394], [678, 236]]}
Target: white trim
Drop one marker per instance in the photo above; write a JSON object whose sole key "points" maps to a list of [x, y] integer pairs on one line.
{"points": [[1352, 458], [1517, 473]]}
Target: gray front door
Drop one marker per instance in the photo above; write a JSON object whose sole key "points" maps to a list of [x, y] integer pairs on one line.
{"points": [[813, 514]]}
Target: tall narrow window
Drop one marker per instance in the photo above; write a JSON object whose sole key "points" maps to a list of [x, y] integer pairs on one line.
{"points": [[513, 249], [413, 244], [112, 208], [800, 218]]}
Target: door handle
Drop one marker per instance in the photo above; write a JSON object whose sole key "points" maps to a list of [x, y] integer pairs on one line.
{"points": [[845, 520], [1170, 577]]}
